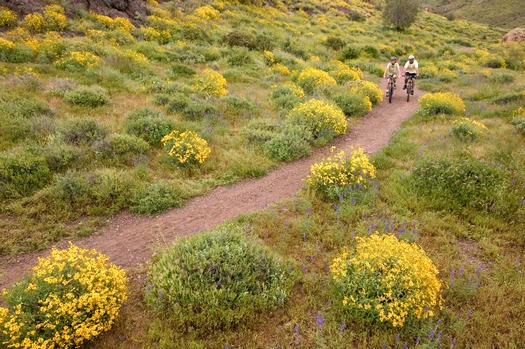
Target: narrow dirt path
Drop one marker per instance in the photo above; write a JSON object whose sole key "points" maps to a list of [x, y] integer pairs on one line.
{"points": [[128, 239]]}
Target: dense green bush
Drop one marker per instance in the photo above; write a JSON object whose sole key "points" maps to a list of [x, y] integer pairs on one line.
{"points": [[240, 106], [456, 183], [122, 148], [77, 131], [292, 143], [217, 281], [259, 131], [239, 57], [87, 96], [350, 52], [71, 297], [155, 198], [59, 157], [22, 173], [353, 104], [239, 38], [180, 70], [335, 43], [502, 78], [14, 105], [370, 51], [148, 124]]}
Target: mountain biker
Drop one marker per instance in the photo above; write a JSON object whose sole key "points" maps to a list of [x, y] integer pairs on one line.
{"points": [[411, 70], [392, 71]]}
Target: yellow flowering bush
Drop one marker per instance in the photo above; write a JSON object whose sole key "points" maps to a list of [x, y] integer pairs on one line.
{"points": [[7, 17], [367, 88], [158, 35], [211, 82], [288, 88], [343, 73], [34, 22], [55, 18], [466, 129], [339, 173], [430, 71], [518, 112], [187, 148], [71, 297], [280, 69], [311, 78], [108, 23], [77, 61], [323, 119], [206, 12], [386, 280], [447, 75], [5, 48], [441, 103], [269, 57]]}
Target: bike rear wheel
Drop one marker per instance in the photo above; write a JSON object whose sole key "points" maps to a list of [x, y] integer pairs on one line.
{"points": [[390, 93]]}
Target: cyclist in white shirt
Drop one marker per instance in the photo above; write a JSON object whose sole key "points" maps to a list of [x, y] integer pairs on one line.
{"points": [[411, 70], [392, 71]]}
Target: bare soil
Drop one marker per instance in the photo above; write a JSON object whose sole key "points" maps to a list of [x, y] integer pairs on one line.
{"points": [[129, 240]]}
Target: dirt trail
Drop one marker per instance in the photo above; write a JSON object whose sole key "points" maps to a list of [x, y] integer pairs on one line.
{"points": [[128, 239]]}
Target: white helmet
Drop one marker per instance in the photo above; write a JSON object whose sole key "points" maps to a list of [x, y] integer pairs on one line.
{"points": [[411, 57]]}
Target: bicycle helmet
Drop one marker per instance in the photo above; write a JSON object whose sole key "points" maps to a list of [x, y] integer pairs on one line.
{"points": [[393, 58], [411, 57]]}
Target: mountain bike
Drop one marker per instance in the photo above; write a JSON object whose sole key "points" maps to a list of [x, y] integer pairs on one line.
{"points": [[390, 87], [410, 87]]}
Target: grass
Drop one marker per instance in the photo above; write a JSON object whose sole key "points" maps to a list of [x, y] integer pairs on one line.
{"points": [[483, 307]]}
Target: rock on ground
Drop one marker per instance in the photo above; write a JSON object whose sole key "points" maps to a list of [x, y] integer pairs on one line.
{"points": [[515, 35]]}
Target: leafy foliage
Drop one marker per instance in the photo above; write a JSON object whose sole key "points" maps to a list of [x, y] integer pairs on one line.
{"points": [[400, 13]]}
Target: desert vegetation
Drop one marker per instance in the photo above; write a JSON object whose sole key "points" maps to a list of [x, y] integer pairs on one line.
{"points": [[418, 246]]}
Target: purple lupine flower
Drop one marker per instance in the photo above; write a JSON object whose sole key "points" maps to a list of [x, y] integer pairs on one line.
{"points": [[478, 270], [397, 338], [431, 334], [384, 345], [453, 343], [320, 320], [286, 224], [438, 340], [308, 211], [226, 346], [518, 262], [343, 326], [304, 268], [418, 340], [296, 329], [469, 280], [460, 271], [405, 346], [438, 323], [469, 313], [452, 272]]}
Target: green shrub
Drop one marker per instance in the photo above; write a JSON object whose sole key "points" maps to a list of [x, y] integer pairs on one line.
{"points": [[240, 106], [353, 104], [156, 197], [334, 42], [19, 106], [519, 124], [22, 173], [507, 98], [71, 297], [197, 109], [292, 143], [457, 183], [177, 70], [148, 124], [350, 52], [259, 131], [21, 53], [77, 131], [466, 129], [59, 157], [502, 78], [370, 51], [123, 148], [84, 96], [240, 57], [217, 281], [311, 79], [239, 38]]}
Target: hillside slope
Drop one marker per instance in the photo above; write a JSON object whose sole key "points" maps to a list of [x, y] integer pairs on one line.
{"points": [[501, 13]]}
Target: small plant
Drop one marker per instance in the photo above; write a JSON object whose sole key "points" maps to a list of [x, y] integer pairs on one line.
{"points": [[337, 174], [324, 120], [441, 103], [77, 61], [466, 129], [367, 88], [217, 281], [211, 83], [292, 143], [311, 78], [22, 173], [76, 131], [353, 104], [350, 52], [187, 148], [72, 296], [288, 88], [155, 198], [428, 72], [343, 73], [386, 280], [519, 124], [206, 12], [335, 43], [148, 124], [122, 147], [87, 96]]}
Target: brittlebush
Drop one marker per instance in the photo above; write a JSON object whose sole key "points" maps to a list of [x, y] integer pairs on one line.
{"points": [[338, 172], [187, 148], [211, 82], [323, 119], [386, 280], [72, 296], [441, 103]]}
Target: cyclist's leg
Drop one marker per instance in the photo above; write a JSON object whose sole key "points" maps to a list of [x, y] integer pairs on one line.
{"points": [[406, 81]]}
